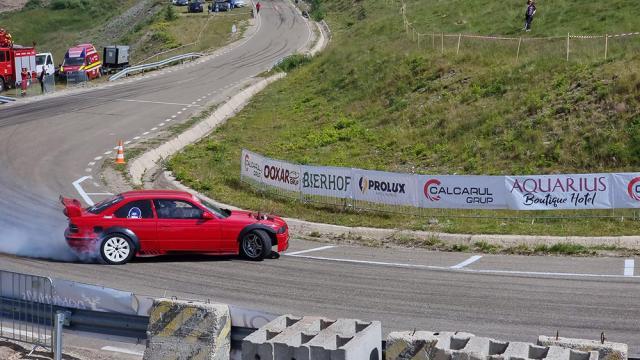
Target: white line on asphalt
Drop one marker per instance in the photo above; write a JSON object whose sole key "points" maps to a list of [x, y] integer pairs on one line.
{"points": [[173, 116], [127, 142], [136, 138], [97, 158], [441, 268], [91, 163], [154, 129], [629, 267], [22, 333], [161, 125], [311, 250], [80, 190], [469, 261], [88, 170], [179, 112], [144, 101], [193, 103], [121, 350], [107, 152], [145, 133], [100, 194], [183, 109]]}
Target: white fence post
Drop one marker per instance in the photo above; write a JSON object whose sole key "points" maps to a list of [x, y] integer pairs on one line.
{"points": [[518, 53], [458, 49], [606, 45], [567, 46]]}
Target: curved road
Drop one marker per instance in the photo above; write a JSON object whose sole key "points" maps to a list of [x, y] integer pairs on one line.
{"points": [[47, 145]]}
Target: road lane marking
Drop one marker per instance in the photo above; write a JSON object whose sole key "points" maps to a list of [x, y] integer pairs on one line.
{"points": [[80, 190], [184, 109], [469, 261], [179, 112], [97, 158], [144, 101], [629, 267], [161, 125], [127, 142], [107, 152], [121, 350], [173, 116], [92, 163], [154, 129], [311, 250], [145, 133], [449, 269], [88, 170], [100, 194], [136, 138]]}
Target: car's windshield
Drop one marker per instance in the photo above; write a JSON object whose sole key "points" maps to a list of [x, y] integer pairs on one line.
{"points": [[40, 59], [223, 213], [101, 206], [73, 61]]}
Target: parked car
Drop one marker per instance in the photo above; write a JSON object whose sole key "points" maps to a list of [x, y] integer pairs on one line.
{"points": [[181, 2], [221, 5], [157, 222], [240, 3], [195, 7], [45, 61]]}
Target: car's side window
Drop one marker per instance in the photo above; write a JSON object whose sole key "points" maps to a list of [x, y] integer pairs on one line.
{"points": [[139, 209], [176, 209]]}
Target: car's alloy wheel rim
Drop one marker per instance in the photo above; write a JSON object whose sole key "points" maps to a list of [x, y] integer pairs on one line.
{"points": [[252, 246], [116, 249]]}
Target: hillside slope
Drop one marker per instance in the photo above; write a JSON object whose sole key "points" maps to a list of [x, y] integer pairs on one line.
{"points": [[376, 100]]}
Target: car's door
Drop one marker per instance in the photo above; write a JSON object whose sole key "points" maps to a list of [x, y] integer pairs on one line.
{"points": [[137, 216], [181, 227]]}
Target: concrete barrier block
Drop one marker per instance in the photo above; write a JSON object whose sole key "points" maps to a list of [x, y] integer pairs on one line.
{"points": [[348, 339], [606, 351], [258, 345], [188, 330], [411, 345], [314, 338]]}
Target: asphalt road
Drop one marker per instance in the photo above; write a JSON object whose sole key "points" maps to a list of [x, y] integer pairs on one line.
{"points": [[45, 146]]}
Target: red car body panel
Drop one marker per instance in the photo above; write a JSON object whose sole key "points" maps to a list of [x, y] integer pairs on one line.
{"points": [[219, 234]]}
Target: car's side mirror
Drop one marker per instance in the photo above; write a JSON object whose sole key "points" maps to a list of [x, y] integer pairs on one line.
{"points": [[207, 215]]}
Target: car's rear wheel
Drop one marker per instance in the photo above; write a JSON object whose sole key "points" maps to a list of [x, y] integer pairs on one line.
{"points": [[255, 245], [116, 249]]}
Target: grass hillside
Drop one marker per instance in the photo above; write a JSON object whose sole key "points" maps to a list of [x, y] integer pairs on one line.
{"points": [[148, 26], [376, 100]]}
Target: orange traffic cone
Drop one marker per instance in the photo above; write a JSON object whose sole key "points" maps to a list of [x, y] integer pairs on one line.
{"points": [[120, 155]]}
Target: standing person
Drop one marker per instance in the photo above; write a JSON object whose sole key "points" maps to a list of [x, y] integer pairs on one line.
{"points": [[258, 6], [24, 78], [41, 79], [528, 16]]}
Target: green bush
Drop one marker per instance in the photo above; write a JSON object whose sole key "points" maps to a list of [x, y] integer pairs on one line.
{"points": [[170, 13], [291, 62]]}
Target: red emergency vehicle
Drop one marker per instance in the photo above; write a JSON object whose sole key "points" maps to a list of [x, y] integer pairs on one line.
{"points": [[81, 58], [12, 59]]}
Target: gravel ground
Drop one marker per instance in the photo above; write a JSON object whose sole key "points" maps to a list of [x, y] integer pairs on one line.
{"points": [[16, 351], [8, 5]]}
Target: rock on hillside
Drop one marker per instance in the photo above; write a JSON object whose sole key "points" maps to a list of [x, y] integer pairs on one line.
{"points": [[8, 5]]}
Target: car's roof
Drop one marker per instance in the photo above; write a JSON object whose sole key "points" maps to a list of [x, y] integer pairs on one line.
{"points": [[156, 193]]}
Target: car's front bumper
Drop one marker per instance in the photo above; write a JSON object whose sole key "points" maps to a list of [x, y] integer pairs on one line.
{"points": [[283, 241]]}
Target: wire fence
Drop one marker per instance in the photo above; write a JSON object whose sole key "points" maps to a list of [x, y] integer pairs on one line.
{"points": [[570, 47]]}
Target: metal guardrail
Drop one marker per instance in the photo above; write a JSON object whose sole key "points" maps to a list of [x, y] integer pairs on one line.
{"points": [[154, 65], [6, 99]]}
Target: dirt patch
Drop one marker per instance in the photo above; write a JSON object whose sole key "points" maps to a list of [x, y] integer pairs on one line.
{"points": [[10, 5]]}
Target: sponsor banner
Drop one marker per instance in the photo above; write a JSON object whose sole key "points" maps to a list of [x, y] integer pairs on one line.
{"points": [[461, 192], [326, 181], [626, 190], [251, 165], [385, 188], [281, 174], [555, 192]]}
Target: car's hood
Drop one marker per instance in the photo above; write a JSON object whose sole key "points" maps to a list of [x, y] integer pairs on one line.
{"points": [[256, 217]]}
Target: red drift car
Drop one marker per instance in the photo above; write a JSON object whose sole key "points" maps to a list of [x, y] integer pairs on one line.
{"points": [[151, 222]]}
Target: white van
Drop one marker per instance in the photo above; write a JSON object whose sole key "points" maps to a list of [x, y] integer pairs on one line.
{"points": [[45, 60]]}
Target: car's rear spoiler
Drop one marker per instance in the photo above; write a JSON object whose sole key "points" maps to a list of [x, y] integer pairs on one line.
{"points": [[72, 207]]}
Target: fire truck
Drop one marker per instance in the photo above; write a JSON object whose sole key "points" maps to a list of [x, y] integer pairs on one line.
{"points": [[13, 58]]}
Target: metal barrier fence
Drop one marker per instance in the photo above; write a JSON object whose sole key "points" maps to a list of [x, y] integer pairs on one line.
{"points": [[26, 312], [75, 78]]}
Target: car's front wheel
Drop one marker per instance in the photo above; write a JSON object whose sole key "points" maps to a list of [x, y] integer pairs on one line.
{"points": [[255, 245], [116, 249]]}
